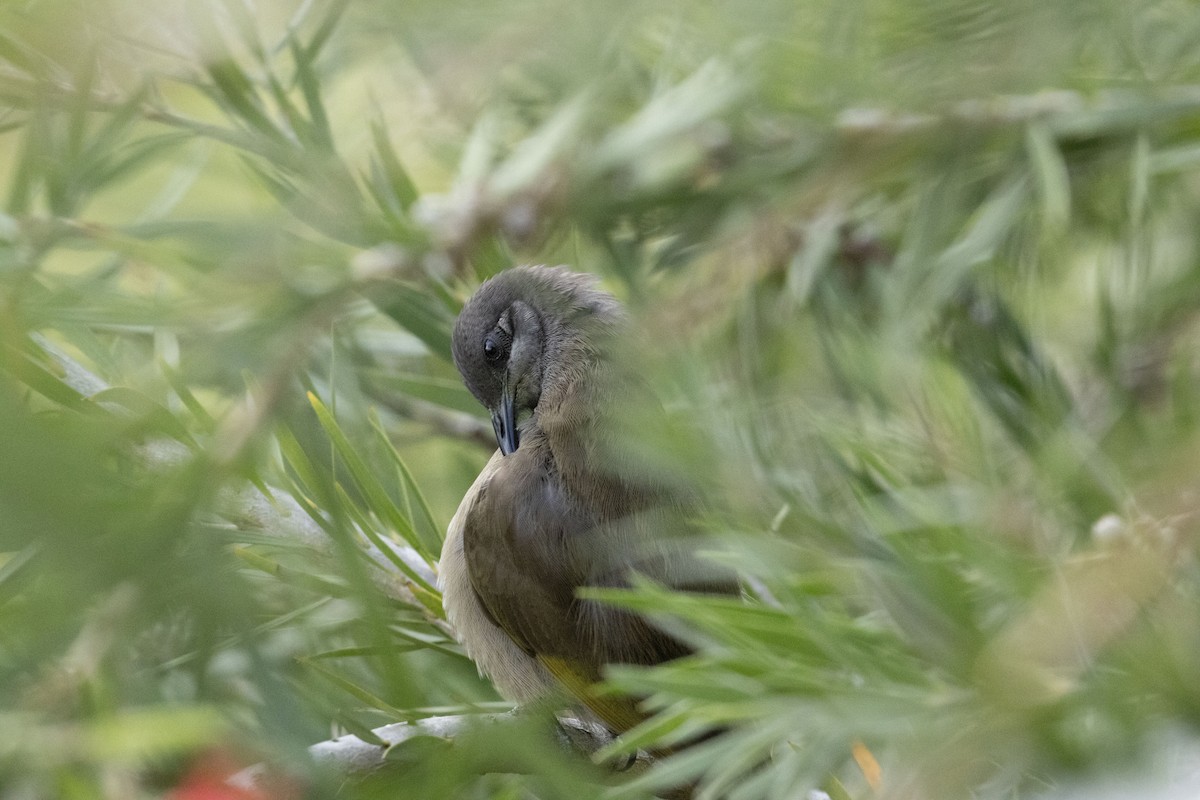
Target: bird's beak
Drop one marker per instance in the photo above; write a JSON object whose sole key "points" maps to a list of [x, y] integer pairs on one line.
{"points": [[504, 423]]}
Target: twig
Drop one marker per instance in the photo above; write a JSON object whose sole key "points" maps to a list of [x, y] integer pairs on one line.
{"points": [[448, 423], [351, 756]]}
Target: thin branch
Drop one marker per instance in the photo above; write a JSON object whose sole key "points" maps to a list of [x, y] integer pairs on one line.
{"points": [[351, 756], [454, 424]]}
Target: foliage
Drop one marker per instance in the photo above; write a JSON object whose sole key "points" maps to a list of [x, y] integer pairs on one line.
{"points": [[916, 283]]}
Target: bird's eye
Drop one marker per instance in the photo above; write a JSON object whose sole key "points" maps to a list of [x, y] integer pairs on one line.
{"points": [[496, 345], [491, 349]]}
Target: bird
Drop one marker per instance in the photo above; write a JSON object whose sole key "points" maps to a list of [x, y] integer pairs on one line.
{"points": [[559, 507]]}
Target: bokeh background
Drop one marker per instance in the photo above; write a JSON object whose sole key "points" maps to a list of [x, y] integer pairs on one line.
{"points": [[917, 284]]}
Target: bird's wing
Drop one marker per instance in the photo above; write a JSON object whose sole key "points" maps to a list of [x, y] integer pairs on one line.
{"points": [[514, 545], [516, 674], [529, 550]]}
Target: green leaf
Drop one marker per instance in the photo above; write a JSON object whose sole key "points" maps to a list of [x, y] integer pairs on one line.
{"points": [[151, 415], [31, 370], [289, 575], [533, 157], [1053, 181], [355, 690], [397, 181], [377, 497], [319, 129], [418, 312], [179, 385], [297, 459], [235, 91], [427, 527], [13, 567], [1140, 175], [297, 122], [325, 29]]}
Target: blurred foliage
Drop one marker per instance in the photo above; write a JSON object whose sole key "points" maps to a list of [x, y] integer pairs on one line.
{"points": [[916, 282]]}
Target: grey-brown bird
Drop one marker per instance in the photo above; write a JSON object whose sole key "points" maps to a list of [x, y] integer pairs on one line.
{"points": [[555, 509]]}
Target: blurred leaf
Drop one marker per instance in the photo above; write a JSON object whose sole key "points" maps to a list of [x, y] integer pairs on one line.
{"points": [[306, 77], [444, 392], [418, 313], [233, 89], [427, 527], [919, 280], [358, 692], [395, 180], [380, 503], [143, 734], [152, 416], [1053, 182]]}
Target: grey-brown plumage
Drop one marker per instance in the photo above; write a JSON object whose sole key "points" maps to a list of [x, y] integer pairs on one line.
{"points": [[555, 510]]}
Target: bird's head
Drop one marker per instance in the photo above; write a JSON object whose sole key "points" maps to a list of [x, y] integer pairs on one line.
{"points": [[522, 332]]}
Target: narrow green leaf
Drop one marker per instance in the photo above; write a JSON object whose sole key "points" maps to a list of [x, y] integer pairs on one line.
{"points": [[79, 109], [236, 93], [297, 459], [30, 164], [39, 378], [360, 519], [492, 256], [152, 415], [12, 567], [425, 593], [430, 642], [398, 181], [356, 728], [354, 690], [417, 312], [379, 501], [836, 791], [301, 128], [184, 393], [293, 577], [479, 152], [322, 701], [325, 29], [653, 731], [494, 707], [282, 188], [430, 388], [357, 652], [244, 22], [1139, 179], [117, 124], [1170, 160], [530, 160], [401, 229], [429, 526], [991, 222], [704, 94], [128, 159], [306, 77], [1053, 181]]}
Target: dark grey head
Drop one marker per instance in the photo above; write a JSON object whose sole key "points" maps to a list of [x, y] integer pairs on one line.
{"points": [[521, 331]]}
